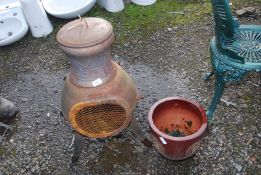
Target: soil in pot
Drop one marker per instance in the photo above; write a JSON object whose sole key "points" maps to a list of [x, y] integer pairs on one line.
{"points": [[179, 130], [177, 120]]}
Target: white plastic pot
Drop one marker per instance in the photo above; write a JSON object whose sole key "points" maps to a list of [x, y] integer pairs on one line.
{"points": [[112, 5], [143, 2], [36, 17]]}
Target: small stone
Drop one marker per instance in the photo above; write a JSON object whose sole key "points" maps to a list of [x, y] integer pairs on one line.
{"points": [[243, 105], [48, 114], [11, 141], [253, 159], [121, 63], [24, 99], [169, 29], [250, 9], [240, 133], [246, 11], [238, 167], [240, 12]]}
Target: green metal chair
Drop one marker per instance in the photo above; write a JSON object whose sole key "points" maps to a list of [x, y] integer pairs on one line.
{"points": [[235, 50]]}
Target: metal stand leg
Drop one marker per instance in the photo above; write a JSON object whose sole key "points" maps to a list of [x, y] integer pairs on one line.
{"points": [[259, 79], [219, 88], [6, 128], [78, 146], [137, 131]]}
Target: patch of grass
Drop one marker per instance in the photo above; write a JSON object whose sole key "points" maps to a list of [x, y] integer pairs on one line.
{"points": [[13, 152], [143, 20], [2, 151], [5, 57]]}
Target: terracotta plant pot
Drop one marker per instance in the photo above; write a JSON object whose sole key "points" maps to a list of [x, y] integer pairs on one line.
{"points": [[177, 125]]}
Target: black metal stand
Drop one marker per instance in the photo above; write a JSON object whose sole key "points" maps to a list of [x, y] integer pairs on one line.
{"points": [[79, 141], [78, 146], [138, 133]]}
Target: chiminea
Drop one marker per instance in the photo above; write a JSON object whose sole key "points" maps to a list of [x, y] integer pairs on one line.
{"points": [[99, 97]]}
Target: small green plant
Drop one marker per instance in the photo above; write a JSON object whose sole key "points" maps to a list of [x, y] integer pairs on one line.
{"points": [[174, 133], [166, 130]]}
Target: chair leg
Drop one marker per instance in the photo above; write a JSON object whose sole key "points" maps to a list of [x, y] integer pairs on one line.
{"points": [[219, 88], [259, 79]]}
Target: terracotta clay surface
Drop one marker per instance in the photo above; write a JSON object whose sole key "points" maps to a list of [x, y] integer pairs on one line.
{"points": [[183, 118]]}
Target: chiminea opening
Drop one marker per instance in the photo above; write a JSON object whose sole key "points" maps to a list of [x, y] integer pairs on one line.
{"points": [[99, 120]]}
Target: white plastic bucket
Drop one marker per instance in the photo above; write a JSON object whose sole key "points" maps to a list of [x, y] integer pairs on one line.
{"points": [[144, 2], [112, 5], [36, 17]]}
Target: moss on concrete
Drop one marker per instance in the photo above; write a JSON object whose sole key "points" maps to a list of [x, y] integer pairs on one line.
{"points": [[143, 20], [2, 151]]}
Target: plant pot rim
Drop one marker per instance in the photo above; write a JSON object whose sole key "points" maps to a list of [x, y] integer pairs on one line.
{"points": [[199, 132]]}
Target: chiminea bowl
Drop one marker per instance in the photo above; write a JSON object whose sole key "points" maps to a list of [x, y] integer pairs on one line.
{"points": [[177, 126]]}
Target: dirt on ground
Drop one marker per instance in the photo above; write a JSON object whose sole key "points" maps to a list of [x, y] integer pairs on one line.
{"points": [[170, 62]]}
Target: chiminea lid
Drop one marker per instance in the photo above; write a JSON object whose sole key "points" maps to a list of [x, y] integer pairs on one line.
{"points": [[84, 32]]}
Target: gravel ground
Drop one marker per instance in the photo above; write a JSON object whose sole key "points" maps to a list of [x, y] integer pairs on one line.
{"points": [[171, 62]]}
